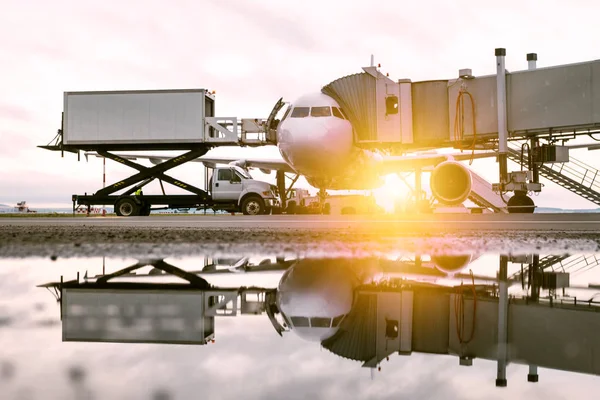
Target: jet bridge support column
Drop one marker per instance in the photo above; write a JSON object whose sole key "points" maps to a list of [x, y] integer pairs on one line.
{"points": [[532, 376], [518, 181], [501, 102], [534, 142], [533, 278], [502, 322]]}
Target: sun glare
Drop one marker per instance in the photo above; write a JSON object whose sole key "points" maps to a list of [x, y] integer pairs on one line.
{"points": [[393, 190]]}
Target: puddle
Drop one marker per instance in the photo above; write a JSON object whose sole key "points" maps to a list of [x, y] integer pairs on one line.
{"points": [[399, 324]]}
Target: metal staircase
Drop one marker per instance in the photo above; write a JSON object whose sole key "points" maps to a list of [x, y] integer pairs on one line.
{"points": [[576, 264], [484, 196], [549, 261], [572, 264], [576, 176]]}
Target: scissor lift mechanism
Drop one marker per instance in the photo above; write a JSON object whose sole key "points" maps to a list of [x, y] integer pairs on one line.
{"points": [[141, 179]]}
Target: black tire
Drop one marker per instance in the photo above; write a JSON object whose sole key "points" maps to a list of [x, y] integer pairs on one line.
{"points": [[145, 210], [291, 208], [326, 209], [348, 211], [521, 204], [127, 208], [276, 210], [267, 211], [253, 205]]}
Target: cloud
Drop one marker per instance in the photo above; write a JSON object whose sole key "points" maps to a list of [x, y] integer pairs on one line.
{"points": [[250, 53], [14, 112], [13, 144], [275, 23]]}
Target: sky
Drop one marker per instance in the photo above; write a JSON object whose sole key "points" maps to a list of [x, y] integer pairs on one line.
{"points": [[251, 53]]}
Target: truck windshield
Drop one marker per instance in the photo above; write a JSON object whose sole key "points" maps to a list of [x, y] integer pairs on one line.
{"points": [[242, 173]]}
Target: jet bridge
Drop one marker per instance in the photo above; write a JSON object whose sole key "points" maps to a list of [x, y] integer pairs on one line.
{"points": [[542, 102], [536, 105]]}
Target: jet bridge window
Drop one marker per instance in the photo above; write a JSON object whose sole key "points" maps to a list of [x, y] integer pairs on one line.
{"points": [[337, 113], [300, 112], [320, 112]]}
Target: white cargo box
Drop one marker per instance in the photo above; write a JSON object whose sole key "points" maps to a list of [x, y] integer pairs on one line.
{"points": [[134, 117], [137, 316]]}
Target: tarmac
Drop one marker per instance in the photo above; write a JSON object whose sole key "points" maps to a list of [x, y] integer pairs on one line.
{"points": [[308, 235], [430, 223]]}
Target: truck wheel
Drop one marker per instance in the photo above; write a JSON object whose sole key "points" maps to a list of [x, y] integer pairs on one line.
{"points": [[291, 208], [145, 210], [326, 209], [267, 211], [253, 205], [276, 210], [127, 208]]}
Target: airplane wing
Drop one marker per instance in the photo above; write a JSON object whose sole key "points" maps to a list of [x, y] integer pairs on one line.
{"points": [[392, 164], [262, 164], [388, 164]]}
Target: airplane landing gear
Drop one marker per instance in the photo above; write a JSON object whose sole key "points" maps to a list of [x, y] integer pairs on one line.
{"points": [[287, 204], [323, 205]]}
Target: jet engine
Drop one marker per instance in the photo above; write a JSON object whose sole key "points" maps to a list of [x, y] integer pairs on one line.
{"points": [[450, 183]]}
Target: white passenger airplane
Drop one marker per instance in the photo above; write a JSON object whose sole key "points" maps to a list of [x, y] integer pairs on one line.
{"points": [[316, 295], [316, 140]]}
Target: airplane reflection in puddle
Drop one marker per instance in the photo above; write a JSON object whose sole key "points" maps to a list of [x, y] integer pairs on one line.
{"points": [[360, 309]]}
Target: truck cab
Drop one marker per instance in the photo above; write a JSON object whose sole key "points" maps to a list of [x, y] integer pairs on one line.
{"points": [[233, 189]]}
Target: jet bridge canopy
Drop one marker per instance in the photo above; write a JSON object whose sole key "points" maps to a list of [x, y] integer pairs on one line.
{"points": [[439, 113]]}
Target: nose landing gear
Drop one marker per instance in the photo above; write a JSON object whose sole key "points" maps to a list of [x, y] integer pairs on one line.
{"points": [[323, 205]]}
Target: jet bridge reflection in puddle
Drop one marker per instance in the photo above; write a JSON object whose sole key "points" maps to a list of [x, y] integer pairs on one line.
{"points": [[521, 310]]}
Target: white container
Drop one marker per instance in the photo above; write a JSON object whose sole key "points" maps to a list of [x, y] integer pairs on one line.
{"points": [[136, 117]]}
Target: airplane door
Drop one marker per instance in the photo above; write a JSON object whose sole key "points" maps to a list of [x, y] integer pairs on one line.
{"points": [[271, 128], [226, 185]]}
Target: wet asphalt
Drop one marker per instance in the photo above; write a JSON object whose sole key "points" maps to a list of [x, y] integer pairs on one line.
{"points": [[314, 235]]}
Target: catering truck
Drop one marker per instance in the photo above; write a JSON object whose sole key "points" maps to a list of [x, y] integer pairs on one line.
{"points": [[231, 189], [164, 120]]}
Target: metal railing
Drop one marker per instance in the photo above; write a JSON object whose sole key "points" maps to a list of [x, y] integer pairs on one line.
{"points": [[578, 171], [577, 264], [576, 176]]}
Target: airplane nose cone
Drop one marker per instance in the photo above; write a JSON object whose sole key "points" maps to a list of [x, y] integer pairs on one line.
{"points": [[317, 291], [316, 146]]}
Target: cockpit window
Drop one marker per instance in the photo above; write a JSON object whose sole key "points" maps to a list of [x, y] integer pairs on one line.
{"points": [[300, 322], [337, 320], [337, 113], [320, 112], [300, 112], [319, 322]]}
